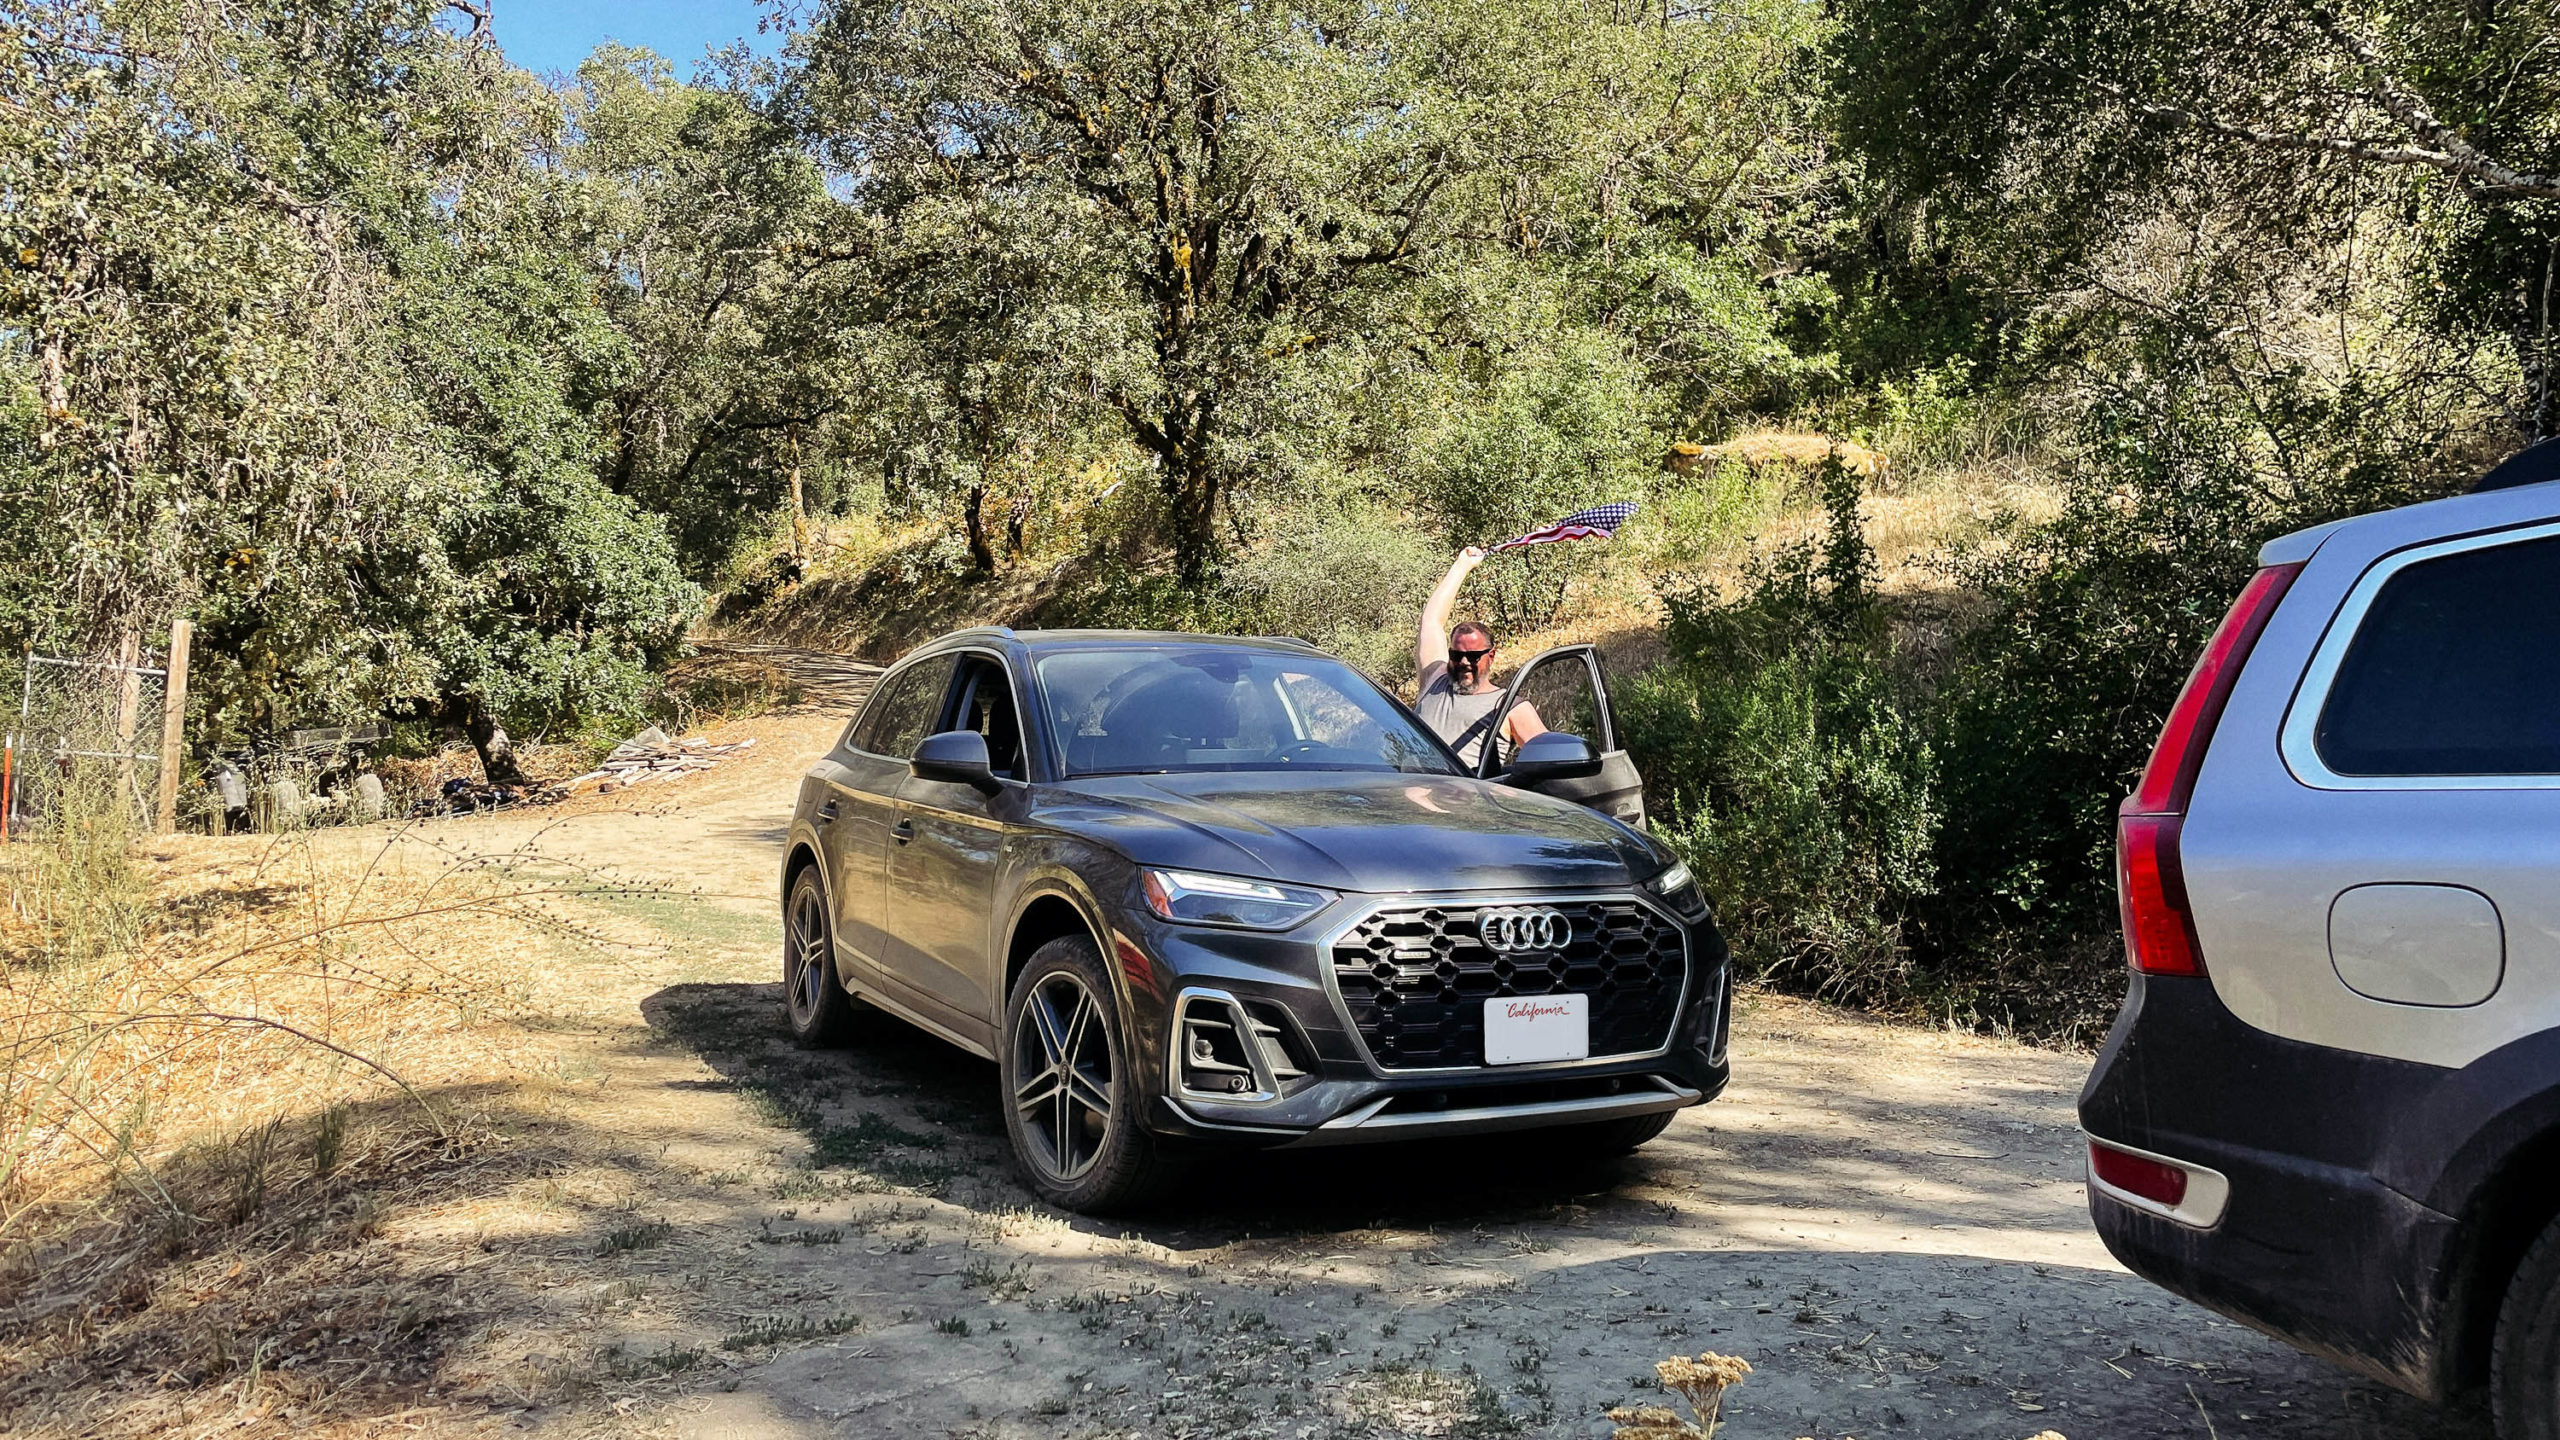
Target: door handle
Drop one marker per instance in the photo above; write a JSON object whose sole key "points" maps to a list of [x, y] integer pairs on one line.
{"points": [[905, 831], [827, 813]]}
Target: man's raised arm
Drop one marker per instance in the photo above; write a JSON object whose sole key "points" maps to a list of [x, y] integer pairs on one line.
{"points": [[1431, 639]]}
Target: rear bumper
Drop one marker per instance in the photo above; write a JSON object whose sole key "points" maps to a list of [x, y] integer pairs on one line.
{"points": [[2309, 1247]]}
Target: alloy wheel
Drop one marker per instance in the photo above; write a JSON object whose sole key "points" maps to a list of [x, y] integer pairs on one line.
{"points": [[805, 969], [1066, 1093]]}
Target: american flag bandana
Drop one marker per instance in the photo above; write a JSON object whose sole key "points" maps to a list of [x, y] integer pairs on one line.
{"points": [[1597, 523]]}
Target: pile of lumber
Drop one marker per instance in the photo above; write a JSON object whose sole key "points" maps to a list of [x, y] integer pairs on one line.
{"points": [[650, 755]]}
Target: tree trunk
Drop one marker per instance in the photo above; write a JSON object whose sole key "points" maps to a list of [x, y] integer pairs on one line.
{"points": [[974, 516], [2541, 355], [799, 508], [1191, 491], [497, 752], [1189, 482]]}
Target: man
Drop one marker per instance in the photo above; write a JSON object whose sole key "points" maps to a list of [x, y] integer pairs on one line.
{"points": [[1458, 693]]}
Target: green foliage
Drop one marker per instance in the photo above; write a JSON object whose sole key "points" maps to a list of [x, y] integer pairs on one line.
{"points": [[1788, 767], [1243, 188], [1347, 574], [297, 353], [1693, 518], [2091, 622], [1552, 432], [2053, 130], [714, 249]]}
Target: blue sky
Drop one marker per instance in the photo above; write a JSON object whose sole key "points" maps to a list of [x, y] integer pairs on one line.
{"points": [[548, 35]]}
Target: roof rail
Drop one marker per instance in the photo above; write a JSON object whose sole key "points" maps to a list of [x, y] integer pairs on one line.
{"points": [[1004, 630], [1300, 641]]}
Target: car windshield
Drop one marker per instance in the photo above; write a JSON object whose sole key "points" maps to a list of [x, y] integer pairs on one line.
{"points": [[1151, 711]]}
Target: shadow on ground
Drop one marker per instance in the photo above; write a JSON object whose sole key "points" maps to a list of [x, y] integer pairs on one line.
{"points": [[1448, 1290]]}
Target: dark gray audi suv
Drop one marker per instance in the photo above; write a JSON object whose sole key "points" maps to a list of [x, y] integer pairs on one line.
{"points": [[1188, 890]]}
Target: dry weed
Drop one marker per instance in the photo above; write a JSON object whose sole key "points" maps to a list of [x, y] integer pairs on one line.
{"points": [[1700, 1382], [222, 1062]]}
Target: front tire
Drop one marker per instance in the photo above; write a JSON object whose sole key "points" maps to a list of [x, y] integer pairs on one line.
{"points": [[814, 1002], [2524, 1375], [1072, 1101]]}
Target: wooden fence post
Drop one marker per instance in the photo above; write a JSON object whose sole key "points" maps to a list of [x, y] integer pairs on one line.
{"points": [[173, 723]]}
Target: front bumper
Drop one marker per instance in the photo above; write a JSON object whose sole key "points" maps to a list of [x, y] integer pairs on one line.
{"points": [[1386, 1119], [1345, 1096]]}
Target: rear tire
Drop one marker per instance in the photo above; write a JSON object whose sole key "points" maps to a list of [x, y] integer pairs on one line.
{"points": [[814, 1002], [2524, 1373], [1073, 1104]]}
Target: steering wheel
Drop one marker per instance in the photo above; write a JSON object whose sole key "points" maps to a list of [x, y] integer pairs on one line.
{"points": [[1297, 749]]}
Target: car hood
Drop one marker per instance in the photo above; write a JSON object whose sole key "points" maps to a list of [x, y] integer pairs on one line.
{"points": [[1356, 830]]}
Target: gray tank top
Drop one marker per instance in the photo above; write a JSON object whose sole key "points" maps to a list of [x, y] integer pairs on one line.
{"points": [[1463, 720]]}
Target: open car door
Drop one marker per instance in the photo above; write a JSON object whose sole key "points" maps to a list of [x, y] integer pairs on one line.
{"points": [[1571, 695]]}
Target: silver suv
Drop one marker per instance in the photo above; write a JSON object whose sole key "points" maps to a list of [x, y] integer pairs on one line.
{"points": [[2331, 1105]]}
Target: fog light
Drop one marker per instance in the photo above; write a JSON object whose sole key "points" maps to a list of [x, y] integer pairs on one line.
{"points": [[2168, 1186], [2153, 1180], [1226, 1048]]}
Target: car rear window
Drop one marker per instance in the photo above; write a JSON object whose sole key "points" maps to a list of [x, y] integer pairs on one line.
{"points": [[904, 710], [2454, 670]]}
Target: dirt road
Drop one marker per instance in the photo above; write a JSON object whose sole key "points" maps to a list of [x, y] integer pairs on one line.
{"points": [[1887, 1222]]}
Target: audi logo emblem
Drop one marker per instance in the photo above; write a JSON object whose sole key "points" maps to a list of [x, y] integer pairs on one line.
{"points": [[1513, 931]]}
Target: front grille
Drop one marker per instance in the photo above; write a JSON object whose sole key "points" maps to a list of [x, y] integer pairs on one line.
{"points": [[1415, 979]]}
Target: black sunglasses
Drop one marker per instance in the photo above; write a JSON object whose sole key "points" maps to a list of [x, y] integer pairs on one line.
{"points": [[1472, 657]]}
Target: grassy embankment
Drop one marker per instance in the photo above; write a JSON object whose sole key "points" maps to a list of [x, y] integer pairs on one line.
{"points": [[1352, 574]]}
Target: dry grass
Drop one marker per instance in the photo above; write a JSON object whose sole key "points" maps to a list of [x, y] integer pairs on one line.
{"points": [[867, 590], [227, 1069]]}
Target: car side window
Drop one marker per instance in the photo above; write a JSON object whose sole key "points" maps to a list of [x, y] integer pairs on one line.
{"points": [[2454, 670], [986, 706], [1326, 715], [905, 709]]}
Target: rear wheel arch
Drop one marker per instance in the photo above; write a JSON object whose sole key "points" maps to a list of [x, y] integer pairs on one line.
{"points": [[2507, 1214]]}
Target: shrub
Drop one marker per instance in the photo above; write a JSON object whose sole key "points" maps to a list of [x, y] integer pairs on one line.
{"points": [[1691, 519], [2090, 621], [1787, 767], [1556, 431], [1347, 575]]}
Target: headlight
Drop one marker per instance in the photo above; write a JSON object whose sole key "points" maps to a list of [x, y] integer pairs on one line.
{"points": [[1198, 899], [1679, 890]]}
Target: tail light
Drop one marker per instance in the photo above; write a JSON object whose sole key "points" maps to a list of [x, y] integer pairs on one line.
{"points": [[2159, 928]]}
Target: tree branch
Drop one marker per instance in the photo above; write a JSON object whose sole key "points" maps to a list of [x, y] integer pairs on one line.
{"points": [[2460, 160]]}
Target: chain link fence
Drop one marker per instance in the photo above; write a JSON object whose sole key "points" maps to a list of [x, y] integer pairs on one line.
{"points": [[91, 726]]}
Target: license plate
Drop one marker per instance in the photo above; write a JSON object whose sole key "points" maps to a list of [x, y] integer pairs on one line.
{"points": [[1529, 1028]]}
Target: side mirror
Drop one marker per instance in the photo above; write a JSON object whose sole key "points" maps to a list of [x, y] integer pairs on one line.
{"points": [[957, 757], [1552, 755]]}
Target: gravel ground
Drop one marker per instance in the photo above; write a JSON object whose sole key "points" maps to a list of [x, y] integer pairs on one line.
{"points": [[1887, 1222]]}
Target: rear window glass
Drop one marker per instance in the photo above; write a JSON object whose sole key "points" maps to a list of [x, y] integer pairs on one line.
{"points": [[2455, 670], [903, 711]]}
